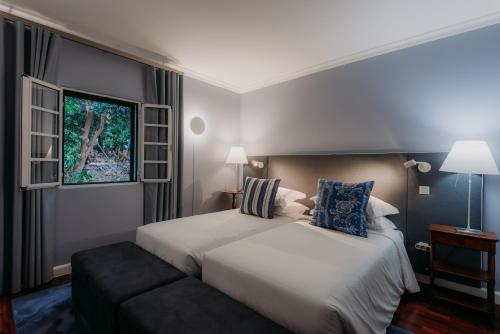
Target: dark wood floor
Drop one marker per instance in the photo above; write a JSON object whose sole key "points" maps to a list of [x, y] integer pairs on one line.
{"points": [[417, 313]]}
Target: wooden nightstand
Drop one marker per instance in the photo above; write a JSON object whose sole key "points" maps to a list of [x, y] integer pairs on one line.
{"points": [[486, 242], [234, 193]]}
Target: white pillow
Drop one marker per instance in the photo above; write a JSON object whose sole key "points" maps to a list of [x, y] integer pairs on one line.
{"points": [[293, 210], [380, 224], [376, 207], [314, 199], [286, 196]]}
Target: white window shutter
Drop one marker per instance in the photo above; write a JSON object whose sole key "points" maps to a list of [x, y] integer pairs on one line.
{"points": [[156, 140], [41, 134]]}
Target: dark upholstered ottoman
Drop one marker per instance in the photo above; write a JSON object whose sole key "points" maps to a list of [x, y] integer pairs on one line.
{"points": [[189, 306], [104, 277]]}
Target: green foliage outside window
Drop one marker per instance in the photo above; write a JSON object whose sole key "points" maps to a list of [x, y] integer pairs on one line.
{"points": [[97, 141]]}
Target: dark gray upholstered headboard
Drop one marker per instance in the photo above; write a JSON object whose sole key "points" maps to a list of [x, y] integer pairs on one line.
{"points": [[394, 184]]}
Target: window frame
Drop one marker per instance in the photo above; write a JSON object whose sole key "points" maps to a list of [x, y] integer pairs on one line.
{"points": [[139, 142], [27, 133], [136, 132], [143, 127]]}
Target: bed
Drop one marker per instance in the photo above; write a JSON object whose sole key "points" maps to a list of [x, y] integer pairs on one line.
{"points": [[183, 242], [314, 280]]}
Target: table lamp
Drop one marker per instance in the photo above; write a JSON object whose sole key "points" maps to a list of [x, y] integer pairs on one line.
{"points": [[470, 157], [238, 157]]}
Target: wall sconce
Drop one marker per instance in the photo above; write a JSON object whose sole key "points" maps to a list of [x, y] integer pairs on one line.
{"points": [[422, 166], [197, 125], [257, 164]]}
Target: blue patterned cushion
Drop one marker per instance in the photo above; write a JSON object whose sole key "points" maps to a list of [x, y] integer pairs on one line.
{"points": [[258, 197], [342, 206]]}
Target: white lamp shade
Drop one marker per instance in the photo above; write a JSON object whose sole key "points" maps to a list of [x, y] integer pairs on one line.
{"points": [[470, 157], [237, 155]]}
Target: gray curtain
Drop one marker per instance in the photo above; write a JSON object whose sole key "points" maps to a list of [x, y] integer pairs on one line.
{"points": [[27, 217], [162, 201]]}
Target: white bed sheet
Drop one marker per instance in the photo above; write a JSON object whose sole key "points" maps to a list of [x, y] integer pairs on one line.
{"points": [[183, 242], [314, 280]]}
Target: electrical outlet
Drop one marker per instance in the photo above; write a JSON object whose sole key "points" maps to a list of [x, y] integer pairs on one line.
{"points": [[423, 246], [424, 190]]}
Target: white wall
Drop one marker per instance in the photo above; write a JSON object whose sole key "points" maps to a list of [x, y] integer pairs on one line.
{"points": [[221, 111]]}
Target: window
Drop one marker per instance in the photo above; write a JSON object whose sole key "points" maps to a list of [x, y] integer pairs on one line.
{"points": [[99, 139], [73, 138], [156, 141], [41, 142]]}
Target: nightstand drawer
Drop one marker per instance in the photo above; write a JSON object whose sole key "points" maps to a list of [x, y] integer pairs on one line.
{"points": [[459, 241]]}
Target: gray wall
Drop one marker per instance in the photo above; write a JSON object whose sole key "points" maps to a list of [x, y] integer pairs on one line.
{"points": [[220, 110], [420, 99], [89, 216]]}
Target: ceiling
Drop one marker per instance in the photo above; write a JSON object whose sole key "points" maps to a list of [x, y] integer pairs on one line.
{"points": [[245, 45]]}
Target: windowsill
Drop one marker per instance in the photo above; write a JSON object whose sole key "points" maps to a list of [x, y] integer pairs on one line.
{"points": [[97, 185]]}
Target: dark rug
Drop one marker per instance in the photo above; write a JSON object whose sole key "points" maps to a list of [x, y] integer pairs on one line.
{"points": [[46, 311], [49, 311]]}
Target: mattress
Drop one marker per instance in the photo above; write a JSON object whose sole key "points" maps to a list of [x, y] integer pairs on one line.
{"points": [[314, 280], [183, 242]]}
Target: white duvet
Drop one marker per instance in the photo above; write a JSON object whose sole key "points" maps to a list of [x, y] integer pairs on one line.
{"points": [[183, 242], [314, 280]]}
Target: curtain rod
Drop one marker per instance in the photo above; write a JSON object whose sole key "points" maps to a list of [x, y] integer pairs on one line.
{"points": [[88, 42]]}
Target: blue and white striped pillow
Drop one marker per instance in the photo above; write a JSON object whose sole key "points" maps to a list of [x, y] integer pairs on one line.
{"points": [[258, 197]]}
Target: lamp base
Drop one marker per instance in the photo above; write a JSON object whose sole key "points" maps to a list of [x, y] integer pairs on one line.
{"points": [[468, 230]]}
